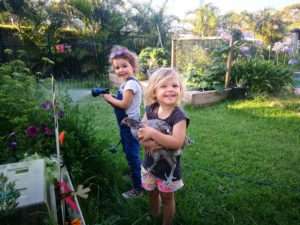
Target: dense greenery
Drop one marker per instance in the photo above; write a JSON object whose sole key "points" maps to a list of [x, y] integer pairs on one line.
{"points": [[78, 35], [262, 76], [206, 20], [21, 114], [27, 127], [151, 59]]}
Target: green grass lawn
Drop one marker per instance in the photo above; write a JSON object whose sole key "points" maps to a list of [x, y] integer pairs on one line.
{"points": [[243, 167]]}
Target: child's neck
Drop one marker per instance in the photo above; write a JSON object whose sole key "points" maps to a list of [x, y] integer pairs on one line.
{"points": [[126, 78], [164, 111]]}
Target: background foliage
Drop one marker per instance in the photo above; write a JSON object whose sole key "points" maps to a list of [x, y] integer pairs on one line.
{"points": [[262, 76]]}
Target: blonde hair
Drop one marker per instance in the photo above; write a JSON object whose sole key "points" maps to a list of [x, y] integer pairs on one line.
{"points": [[120, 52], [156, 79]]}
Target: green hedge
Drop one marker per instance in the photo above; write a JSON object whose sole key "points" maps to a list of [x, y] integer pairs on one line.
{"points": [[262, 76]]}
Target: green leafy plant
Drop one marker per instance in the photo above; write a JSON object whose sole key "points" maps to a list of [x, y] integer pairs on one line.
{"points": [[152, 58], [26, 118], [195, 78], [195, 55], [8, 196], [206, 76], [262, 76]]}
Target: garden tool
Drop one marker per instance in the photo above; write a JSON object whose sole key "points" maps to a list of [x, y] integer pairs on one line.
{"points": [[99, 91]]}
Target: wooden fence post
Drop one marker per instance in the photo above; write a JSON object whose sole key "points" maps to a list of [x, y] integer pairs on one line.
{"points": [[173, 53], [229, 64]]}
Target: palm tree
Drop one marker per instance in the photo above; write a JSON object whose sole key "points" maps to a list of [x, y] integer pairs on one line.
{"points": [[153, 26], [205, 21]]}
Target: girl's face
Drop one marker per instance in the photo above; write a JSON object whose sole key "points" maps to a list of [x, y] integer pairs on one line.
{"points": [[168, 92], [122, 68]]}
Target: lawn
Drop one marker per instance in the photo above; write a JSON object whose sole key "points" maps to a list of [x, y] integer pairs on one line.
{"points": [[242, 168]]}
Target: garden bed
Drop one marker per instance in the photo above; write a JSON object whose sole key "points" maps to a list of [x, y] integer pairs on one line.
{"points": [[196, 98], [202, 98]]}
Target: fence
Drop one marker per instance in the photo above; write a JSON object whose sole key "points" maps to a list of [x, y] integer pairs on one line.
{"points": [[188, 48]]}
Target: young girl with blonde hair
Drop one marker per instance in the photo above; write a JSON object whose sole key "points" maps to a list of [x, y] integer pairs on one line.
{"points": [[162, 99]]}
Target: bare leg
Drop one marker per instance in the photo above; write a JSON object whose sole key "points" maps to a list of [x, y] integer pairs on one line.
{"points": [[168, 201], [154, 203]]}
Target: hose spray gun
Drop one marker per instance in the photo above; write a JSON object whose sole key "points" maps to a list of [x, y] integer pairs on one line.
{"points": [[99, 91]]}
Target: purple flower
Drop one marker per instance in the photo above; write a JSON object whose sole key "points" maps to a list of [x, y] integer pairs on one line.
{"points": [[47, 105], [60, 114], [32, 131], [245, 50], [224, 35], [293, 61], [48, 131], [277, 46]]}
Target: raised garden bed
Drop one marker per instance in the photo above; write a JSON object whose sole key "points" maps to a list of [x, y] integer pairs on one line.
{"points": [[203, 98]]}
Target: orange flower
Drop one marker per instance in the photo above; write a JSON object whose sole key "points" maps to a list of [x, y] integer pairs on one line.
{"points": [[61, 137], [76, 222]]}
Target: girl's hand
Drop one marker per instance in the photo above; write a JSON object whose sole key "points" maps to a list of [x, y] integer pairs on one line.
{"points": [[108, 97], [122, 104], [145, 133], [150, 146]]}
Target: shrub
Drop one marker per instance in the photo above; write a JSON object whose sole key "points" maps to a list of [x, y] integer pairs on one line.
{"points": [[196, 56], [25, 125], [206, 76], [152, 58], [261, 76], [83, 149]]}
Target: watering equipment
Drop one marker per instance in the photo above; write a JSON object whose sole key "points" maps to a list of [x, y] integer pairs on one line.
{"points": [[99, 90]]}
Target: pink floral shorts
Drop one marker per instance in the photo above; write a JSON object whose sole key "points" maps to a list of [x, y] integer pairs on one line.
{"points": [[150, 183]]}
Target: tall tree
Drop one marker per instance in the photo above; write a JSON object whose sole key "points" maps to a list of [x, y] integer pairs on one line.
{"points": [[149, 26], [269, 26], [205, 20], [231, 20], [291, 15]]}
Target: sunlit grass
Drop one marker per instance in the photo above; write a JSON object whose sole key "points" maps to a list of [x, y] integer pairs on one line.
{"points": [[272, 108]]}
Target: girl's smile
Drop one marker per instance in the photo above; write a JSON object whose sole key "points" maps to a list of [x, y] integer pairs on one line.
{"points": [[122, 68], [168, 92]]}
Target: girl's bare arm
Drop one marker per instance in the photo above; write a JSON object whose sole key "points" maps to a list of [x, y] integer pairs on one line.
{"points": [[173, 141]]}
